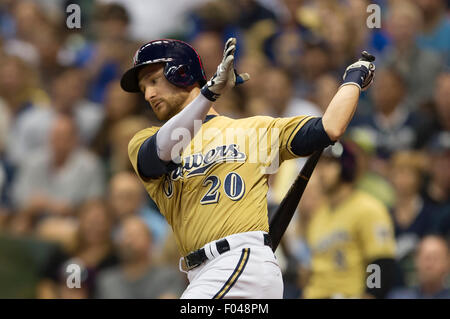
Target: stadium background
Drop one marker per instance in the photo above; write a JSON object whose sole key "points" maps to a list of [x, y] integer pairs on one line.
{"points": [[60, 102]]}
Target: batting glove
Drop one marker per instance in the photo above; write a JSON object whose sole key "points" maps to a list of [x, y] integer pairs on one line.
{"points": [[360, 73], [225, 76]]}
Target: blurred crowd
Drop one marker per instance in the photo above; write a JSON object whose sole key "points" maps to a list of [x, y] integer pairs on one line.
{"points": [[68, 194]]}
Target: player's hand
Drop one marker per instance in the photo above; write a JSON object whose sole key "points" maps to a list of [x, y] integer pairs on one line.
{"points": [[225, 76], [361, 73]]}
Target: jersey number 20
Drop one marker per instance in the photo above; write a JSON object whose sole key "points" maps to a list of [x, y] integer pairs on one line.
{"points": [[233, 186]]}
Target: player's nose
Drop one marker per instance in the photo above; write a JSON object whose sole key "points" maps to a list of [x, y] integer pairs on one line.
{"points": [[150, 94]]}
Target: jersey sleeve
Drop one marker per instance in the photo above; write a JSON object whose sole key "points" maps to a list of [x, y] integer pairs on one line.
{"points": [[376, 233], [151, 185], [288, 128], [311, 137]]}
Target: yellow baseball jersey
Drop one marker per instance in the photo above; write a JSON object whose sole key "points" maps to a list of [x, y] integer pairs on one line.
{"points": [[221, 185], [342, 241]]}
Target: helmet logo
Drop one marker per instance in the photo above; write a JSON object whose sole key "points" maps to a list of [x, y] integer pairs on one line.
{"points": [[182, 71], [135, 57]]}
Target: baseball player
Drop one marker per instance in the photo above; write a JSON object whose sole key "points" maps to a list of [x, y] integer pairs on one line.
{"points": [[207, 184], [350, 235]]}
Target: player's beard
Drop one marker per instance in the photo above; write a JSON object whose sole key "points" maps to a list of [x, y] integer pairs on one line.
{"points": [[170, 106]]}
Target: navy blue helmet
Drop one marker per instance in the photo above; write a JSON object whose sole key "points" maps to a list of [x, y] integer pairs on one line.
{"points": [[183, 66], [346, 154]]}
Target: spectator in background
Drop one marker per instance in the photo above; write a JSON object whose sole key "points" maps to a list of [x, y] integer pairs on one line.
{"points": [[104, 58], [5, 171], [5, 187], [357, 14], [58, 179], [210, 16], [419, 67], [137, 276], [349, 231], [437, 190], [117, 106], [209, 45], [19, 93], [121, 134], [291, 9], [4, 123], [25, 17], [6, 25], [325, 87], [169, 254], [127, 198], [338, 33], [438, 111], [392, 126], [251, 12], [432, 263], [284, 49], [370, 181], [411, 218], [442, 101], [277, 98], [436, 27], [93, 251], [255, 63], [5, 176], [49, 39], [65, 292], [60, 235], [314, 62], [154, 19], [67, 97]]}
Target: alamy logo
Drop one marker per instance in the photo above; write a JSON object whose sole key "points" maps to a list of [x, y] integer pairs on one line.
{"points": [[374, 19], [374, 279], [74, 277], [73, 20]]}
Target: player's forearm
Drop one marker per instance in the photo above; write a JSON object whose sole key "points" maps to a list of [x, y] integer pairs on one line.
{"points": [[340, 111], [358, 76], [178, 132]]}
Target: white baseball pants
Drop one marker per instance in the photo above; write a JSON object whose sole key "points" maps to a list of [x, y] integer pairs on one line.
{"points": [[248, 270]]}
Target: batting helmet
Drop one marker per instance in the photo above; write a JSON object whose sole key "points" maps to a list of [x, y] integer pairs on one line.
{"points": [[183, 66], [346, 154]]}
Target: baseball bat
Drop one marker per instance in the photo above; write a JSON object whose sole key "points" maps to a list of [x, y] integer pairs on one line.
{"points": [[286, 210], [280, 220]]}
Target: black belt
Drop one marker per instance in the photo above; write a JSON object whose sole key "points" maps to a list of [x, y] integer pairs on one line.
{"points": [[198, 257]]}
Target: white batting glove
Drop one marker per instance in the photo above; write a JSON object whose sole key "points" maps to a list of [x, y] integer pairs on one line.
{"points": [[360, 73], [225, 76]]}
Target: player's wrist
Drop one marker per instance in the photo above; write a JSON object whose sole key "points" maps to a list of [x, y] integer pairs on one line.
{"points": [[356, 76], [360, 73], [351, 83], [210, 95]]}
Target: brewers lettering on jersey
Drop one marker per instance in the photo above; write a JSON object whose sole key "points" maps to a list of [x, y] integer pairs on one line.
{"points": [[208, 173]]}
